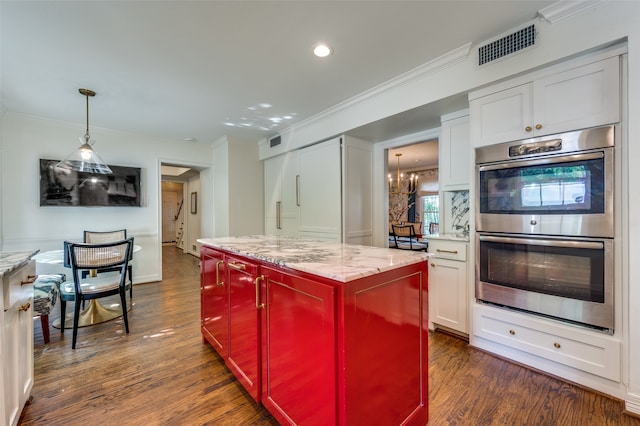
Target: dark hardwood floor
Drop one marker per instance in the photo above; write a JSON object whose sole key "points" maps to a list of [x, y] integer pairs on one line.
{"points": [[162, 374]]}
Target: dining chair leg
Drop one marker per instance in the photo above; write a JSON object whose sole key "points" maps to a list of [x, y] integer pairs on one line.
{"points": [[44, 321], [125, 316], [76, 318], [63, 314]]}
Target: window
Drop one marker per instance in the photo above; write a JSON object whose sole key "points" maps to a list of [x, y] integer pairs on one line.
{"points": [[431, 210]]}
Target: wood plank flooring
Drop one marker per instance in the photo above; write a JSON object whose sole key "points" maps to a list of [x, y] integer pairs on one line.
{"points": [[162, 374]]}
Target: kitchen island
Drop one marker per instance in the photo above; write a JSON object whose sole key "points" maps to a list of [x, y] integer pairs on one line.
{"points": [[318, 332]]}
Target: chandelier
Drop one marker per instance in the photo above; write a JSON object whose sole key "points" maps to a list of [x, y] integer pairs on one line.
{"points": [[84, 158], [398, 189]]}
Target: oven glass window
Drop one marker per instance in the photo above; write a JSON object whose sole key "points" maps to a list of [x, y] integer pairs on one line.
{"points": [[577, 187], [576, 273]]}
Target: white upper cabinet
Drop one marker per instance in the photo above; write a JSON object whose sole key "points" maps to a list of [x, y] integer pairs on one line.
{"points": [[454, 151], [577, 98]]}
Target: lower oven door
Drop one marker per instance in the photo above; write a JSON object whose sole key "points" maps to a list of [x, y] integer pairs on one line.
{"points": [[566, 278]]}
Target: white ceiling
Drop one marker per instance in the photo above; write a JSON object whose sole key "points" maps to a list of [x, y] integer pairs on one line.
{"points": [[203, 69]]}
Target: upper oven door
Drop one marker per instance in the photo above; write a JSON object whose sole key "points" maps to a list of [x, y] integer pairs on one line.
{"points": [[555, 195]]}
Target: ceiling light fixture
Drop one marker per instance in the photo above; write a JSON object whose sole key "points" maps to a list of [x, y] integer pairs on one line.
{"points": [[412, 184], [322, 50], [85, 159]]}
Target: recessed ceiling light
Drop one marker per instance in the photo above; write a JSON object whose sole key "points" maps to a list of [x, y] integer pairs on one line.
{"points": [[190, 139], [322, 50]]}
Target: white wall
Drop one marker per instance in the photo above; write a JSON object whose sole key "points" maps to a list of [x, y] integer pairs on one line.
{"points": [[26, 225]]}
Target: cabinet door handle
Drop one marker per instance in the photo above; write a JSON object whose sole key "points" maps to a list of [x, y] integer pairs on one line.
{"points": [[528, 129], [556, 345], [447, 251], [278, 214], [25, 307], [30, 280], [538, 126], [433, 265], [238, 266], [220, 262], [512, 332], [257, 283], [297, 190]]}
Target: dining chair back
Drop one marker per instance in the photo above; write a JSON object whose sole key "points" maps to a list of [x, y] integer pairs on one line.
{"points": [[93, 257], [405, 238], [97, 237]]}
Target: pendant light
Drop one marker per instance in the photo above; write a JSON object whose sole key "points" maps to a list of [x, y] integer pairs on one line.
{"points": [[398, 189], [85, 159]]}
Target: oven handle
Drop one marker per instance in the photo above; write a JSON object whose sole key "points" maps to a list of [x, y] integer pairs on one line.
{"points": [[548, 243], [547, 160]]}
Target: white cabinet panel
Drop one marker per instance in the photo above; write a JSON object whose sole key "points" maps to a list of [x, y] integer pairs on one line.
{"points": [[448, 295], [585, 350], [16, 338], [454, 154], [319, 189]]}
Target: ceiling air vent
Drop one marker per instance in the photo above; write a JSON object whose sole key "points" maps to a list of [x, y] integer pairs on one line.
{"points": [[507, 45], [275, 141]]}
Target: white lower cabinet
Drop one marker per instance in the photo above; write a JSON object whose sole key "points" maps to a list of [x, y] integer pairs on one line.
{"points": [[448, 295], [583, 349], [16, 340]]}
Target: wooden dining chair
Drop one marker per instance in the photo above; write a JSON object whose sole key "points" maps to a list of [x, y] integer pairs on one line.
{"points": [[97, 237], [88, 257], [405, 238]]}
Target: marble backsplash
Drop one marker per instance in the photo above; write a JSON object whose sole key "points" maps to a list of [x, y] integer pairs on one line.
{"points": [[456, 211]]}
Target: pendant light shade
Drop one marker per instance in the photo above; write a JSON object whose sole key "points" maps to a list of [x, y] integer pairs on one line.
{"points": [[85, 159]]}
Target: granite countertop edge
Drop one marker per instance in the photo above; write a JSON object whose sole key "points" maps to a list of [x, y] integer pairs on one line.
{"points": [[336, 261], [12, 260]]}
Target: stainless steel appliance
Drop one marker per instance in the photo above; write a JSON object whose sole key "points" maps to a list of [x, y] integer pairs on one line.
{"points": [[566, 278], [554, 185], [545, 226]]}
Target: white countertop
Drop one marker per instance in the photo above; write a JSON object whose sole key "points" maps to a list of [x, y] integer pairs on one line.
{"points": [[448, 237], [336, 261], [12, 260]]}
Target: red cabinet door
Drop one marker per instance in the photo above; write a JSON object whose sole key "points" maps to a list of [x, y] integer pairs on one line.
{"points": [[244, 324], [214, 301], [299, 382]]}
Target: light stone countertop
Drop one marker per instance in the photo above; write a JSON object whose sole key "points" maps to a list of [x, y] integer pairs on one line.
{"points": [[12, 260], [336, 261], [448, 237]]}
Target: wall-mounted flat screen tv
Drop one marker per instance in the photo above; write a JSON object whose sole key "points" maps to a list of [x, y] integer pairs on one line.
{"points": [[61, 187]]}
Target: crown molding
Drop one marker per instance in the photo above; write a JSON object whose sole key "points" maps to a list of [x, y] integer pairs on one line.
{"points": [[565, 9], [438, 64]]}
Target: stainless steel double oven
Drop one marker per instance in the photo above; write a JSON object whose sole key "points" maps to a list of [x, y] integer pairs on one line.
{"points": [[545, 226]]}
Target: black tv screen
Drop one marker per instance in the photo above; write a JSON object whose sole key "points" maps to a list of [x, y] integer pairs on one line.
{"points": [[62, 187]]}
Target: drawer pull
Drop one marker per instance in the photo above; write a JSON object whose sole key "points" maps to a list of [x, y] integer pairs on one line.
{"points": [[538, 126], [447, 251], [218, 263], [433, 265], [30, 280], [238, 266], [528, 129], [258, 304], [556, 345], [512, 332], [25, 307]]}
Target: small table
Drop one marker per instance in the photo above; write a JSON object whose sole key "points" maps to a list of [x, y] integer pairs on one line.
{"points": [[94, 313]]}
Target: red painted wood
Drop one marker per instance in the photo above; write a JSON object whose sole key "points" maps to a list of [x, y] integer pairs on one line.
{"points": [[299, 364], [214, 301], [244, 324], [385, 348], [323, 352]]}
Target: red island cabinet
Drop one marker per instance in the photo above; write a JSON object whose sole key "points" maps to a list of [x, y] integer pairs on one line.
{"points": [[351, 353], [214, 300], [316, 351]]}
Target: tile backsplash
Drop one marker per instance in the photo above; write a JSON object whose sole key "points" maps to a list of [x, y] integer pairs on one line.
{"points": [[456, 211]]}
